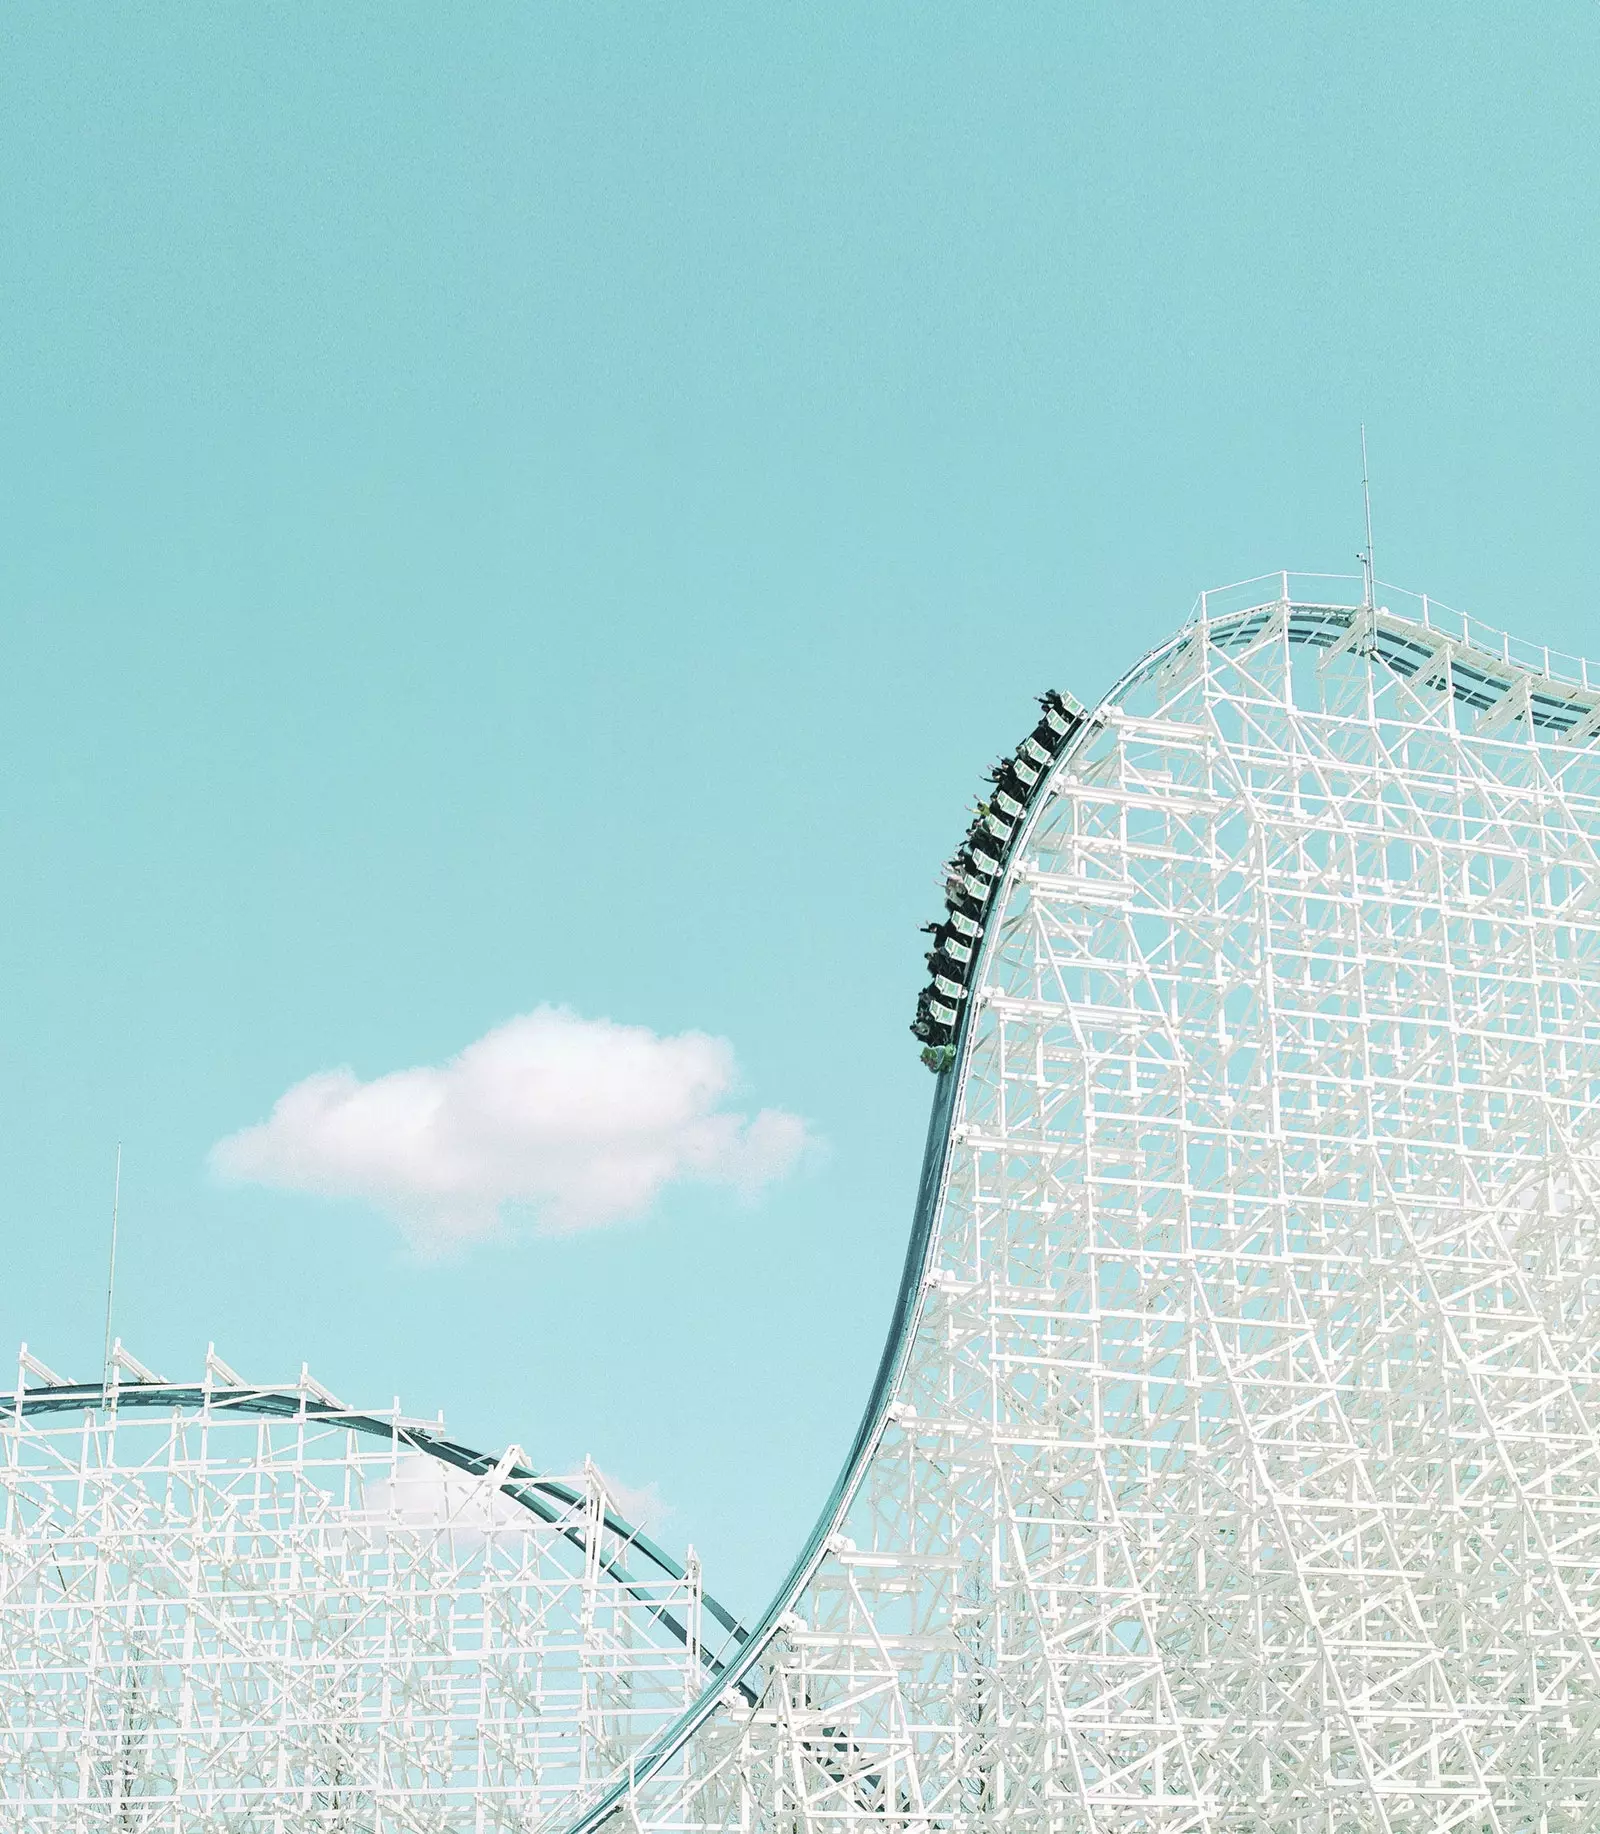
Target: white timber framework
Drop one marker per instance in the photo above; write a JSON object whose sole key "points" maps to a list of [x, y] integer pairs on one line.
{"points": [[1235, 1460], [232, 1607]]}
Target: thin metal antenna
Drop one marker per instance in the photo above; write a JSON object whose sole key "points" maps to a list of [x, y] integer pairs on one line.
{"points": [[1367, 570], [111, 1277]]}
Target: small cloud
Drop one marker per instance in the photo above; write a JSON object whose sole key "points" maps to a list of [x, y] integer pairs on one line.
{"points": [[583, 1121], [640, 1508], [426, 1493], [422, 1492]]}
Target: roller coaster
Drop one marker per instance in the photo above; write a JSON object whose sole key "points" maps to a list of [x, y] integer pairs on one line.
{"points": [[1233, 1461]]}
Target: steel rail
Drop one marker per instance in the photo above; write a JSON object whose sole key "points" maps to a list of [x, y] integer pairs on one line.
{"points": [[902, 1328], [548, 1498]]}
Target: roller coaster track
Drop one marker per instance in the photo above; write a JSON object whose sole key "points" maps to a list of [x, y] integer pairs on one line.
{"points": [[1234, 1454], [549, 1499]]}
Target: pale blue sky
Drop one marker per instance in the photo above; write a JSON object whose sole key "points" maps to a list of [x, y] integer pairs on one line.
{"points": [[528, 504]]}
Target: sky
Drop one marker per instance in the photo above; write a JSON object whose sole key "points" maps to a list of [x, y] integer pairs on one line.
{"points": [[521, 528]]}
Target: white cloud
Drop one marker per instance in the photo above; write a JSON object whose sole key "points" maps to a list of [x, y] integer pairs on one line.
{"points": [[423, 1492], [583, 1121], [640, 1506], [426, 1493]]}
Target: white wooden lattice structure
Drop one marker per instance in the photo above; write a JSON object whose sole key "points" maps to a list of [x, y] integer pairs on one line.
{"points": [[238, 1607], [1234, 1464]]}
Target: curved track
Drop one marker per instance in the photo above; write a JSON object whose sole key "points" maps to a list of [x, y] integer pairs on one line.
{"points": [[1232, 1458], [230, 1605], [551, 1499]]}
